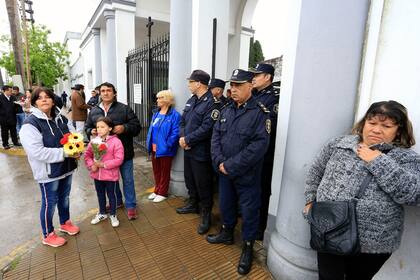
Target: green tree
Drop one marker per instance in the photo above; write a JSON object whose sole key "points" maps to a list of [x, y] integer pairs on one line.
{"points": [[48, 60], [255, 53]]}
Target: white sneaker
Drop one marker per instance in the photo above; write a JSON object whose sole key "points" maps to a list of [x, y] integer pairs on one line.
{"points": [[152, 196], [159, 198], [114, 220], [98, 218]]}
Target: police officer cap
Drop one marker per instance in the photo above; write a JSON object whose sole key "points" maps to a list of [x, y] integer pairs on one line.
{"points": [[241, 76], [217, 83], [263, 68], [78, 87], [199, 76]]}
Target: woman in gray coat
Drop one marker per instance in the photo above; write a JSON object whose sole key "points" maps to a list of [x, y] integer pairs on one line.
{"points": [[380, 144]]}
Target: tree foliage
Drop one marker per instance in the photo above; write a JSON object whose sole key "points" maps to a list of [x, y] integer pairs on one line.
{"points": [[255, 53], [48, 60]]}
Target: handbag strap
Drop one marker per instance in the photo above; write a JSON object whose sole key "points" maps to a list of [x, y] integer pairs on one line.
{"points": [[364, 185]]}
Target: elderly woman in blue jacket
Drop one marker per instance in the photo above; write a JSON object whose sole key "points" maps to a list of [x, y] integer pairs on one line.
{"points": [[162, 143], [52, 169], [380, 145]]}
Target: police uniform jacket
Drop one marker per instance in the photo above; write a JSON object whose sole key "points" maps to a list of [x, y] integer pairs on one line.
{"points": [[240, 139], [197, 123], [269, 96]]}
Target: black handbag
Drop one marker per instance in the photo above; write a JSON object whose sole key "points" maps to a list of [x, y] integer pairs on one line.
{"points": [[334, 225]]}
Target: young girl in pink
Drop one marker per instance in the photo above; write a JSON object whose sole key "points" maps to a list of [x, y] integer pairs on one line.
{"points": [[105, 170]]}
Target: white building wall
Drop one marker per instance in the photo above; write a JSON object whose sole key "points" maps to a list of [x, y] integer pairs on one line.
{"points": [[157, 9], [88, 54]]}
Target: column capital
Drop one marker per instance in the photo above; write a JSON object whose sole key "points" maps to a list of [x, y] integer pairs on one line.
{"points": [[95, 31], [109, 14]]}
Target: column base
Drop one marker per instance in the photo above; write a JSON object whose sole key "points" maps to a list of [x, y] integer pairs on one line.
{"points": [[287, 261], [177, 184]]}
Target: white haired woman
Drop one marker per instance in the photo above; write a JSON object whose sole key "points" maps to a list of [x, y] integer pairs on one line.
{"points": [[162, 143]]}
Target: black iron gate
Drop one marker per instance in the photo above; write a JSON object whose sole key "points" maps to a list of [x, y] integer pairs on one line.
{"points": [[147, 74]]}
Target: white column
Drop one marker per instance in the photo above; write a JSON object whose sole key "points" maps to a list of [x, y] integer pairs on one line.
{"points": [[191, 36], [319, 89], [111, 73], [97, 73]]}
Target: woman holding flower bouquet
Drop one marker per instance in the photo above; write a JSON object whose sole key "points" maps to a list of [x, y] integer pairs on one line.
{"points": [[162, 143], [52, 168], [103, 157]]}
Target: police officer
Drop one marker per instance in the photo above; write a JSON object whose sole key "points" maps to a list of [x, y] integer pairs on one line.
{"points": [[239, 142], [264, 92], [200, 113], [217, 87]]}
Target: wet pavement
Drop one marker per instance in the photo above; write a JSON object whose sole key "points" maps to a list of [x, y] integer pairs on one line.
{"points": [[160, 244]]}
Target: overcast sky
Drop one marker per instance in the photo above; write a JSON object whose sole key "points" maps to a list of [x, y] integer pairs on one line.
{"points": [[73, 15]]}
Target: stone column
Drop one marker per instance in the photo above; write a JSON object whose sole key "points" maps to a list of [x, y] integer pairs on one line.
{"points": [[319, 90], [98, 61], [111, 73]]}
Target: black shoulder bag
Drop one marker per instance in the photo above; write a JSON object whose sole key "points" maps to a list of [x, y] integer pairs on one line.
{"points": [[334, 225]]}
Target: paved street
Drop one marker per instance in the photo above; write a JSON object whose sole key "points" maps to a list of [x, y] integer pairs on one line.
{"points": [[159, 245]]}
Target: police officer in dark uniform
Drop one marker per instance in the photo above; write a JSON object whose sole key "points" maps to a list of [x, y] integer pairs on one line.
{"points": [[198, 118], [240, 139], [217, 86], [264, 92]]}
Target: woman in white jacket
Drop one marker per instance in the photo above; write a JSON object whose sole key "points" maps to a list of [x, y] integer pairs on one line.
{"points": [[40, 136]]}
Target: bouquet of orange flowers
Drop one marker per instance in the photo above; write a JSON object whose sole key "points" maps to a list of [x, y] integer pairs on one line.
{"points": [[72, 143], [99, 148]]}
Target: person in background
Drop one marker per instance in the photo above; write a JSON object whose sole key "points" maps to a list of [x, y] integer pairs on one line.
{"points": [[200, 113], [64, 99], [8, 117], [79, 108], [162, 143], [380, 146], [127, 126], [52, 168], [93, 101], [217, 86], [264, 92], [27, 103], [19, 100]]}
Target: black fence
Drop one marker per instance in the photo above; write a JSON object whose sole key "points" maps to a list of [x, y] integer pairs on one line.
{"points": [[147, 74]]}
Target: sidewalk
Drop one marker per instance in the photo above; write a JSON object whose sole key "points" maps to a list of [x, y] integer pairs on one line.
{"points": [[160, 244]]}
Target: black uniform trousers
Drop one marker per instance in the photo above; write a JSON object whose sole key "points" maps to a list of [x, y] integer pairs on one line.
{"points": [[359, 267], [198, 177], [5, 128]]}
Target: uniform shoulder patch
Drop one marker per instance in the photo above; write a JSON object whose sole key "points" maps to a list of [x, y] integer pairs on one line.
{"points": [[268, 125], [276, 108], [215, 114], [263, 108]]}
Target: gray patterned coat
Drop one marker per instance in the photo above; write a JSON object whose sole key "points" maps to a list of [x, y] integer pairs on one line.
{"points": [[337, 173]]}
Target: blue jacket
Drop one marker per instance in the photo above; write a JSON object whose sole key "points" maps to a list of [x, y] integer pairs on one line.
{"points": [[240, 140], [197, 123], [167, 136]]}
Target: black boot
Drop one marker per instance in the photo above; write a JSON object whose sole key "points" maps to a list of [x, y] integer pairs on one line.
{"points": [[245, 262], [190, 207], [205, 223], [225, 236]]}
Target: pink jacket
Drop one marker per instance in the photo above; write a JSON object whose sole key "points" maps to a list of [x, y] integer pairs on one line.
{"points": [[112, 160]]}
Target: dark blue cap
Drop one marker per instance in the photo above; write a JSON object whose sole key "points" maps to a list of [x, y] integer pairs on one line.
{"points": [[78, 87], [199, 76], [217, 83], [263, 68], [241, 76]]}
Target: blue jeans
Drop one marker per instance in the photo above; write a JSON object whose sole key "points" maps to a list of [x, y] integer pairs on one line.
{"points": [[107, 188], [20, 117], [127, 174], [52, 194]]}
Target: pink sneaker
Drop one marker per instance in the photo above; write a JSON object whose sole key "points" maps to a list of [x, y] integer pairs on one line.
{"points": [[53, 240], [132, 213], [69, 228]]}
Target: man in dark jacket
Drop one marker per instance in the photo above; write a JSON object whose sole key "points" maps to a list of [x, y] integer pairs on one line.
{"points": [[127, 126], [8, 117]]}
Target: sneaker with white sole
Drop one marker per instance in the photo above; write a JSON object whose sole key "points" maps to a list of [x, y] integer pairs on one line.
{"points": [[53, 240], [69, 228], [152, 196], [159, 198], [114, 220], [98, 218]]}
